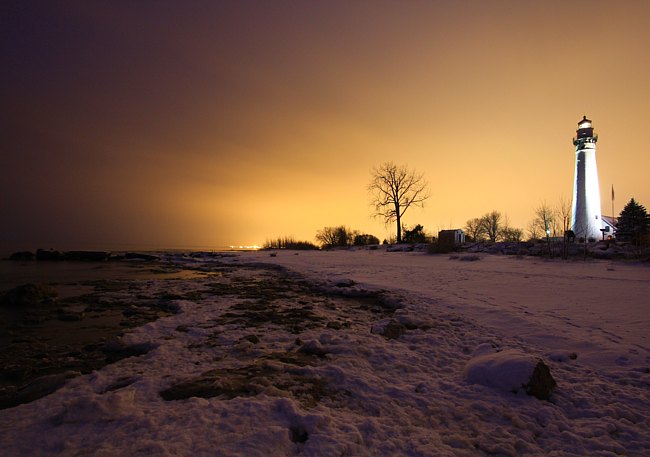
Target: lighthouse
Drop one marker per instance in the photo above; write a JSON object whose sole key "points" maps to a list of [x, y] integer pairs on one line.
{"points": [[586, 220]]}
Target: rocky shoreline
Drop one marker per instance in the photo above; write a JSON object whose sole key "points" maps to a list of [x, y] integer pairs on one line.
{"points": [[54, 331], [87, 256], [50, 338]]}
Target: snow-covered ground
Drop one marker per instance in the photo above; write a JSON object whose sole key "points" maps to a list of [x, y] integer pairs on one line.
{"points": [[311, 378], [600, 309]]}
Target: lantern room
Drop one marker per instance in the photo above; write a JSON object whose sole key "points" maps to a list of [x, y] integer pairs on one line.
{"points": [[585, 129]]}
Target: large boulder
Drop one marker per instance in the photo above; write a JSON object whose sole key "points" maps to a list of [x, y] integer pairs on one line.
{"points": [[49, 254], [140, 256], [511, 371], [388, 328], [88, 256], [22, 256], [38, 388]]}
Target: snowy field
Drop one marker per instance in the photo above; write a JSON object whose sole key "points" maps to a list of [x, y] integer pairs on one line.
{"points": [[268, 361]]}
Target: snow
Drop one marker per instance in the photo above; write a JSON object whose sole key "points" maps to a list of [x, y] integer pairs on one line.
{"points": [[595, 306], [431, 391]]}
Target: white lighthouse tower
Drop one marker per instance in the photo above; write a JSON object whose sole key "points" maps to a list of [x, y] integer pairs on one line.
{"points": [[586, 221]]}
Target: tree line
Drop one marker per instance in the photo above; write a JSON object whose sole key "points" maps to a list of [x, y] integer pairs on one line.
{"points": [[327, 238], [547, 221], [633, 224], [394, 189]]}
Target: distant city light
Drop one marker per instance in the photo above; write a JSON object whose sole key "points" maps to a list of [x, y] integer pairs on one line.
{"points": [[249, 247]]}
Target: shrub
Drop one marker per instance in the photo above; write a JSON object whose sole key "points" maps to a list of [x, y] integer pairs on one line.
{"points": [[415, 235], [438, 248], [365, 240], [288, 242], [330, 237]]}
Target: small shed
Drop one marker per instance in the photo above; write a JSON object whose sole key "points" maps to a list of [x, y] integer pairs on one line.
{"points": [[454, 237]]}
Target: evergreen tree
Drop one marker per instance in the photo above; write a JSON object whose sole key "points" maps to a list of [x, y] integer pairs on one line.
{"points": [[633, 223], [414, 235]]}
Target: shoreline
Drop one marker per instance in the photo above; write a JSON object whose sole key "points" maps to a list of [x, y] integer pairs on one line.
{"points": [[358, 353], [59, 320]]}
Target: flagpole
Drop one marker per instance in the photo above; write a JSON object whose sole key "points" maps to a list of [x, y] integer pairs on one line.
{"points": [[613, 215]]}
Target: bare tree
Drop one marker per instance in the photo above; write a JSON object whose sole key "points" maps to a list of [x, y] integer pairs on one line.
{"points": [[564, 218], [564, 213], [394, 189], [534, 231], [512, 234], [492, 225], [508, 233], [546, 219], [474, 228], [330, 237]]}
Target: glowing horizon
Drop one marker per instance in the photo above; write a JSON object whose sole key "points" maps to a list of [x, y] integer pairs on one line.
{"points": [[236, 123]]}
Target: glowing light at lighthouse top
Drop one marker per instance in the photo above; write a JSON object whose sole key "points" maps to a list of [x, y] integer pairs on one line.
{"points": [[585, 134], [584, 123]]}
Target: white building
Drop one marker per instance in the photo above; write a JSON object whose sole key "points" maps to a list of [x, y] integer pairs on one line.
{"points": [[609, 226], [586, 220], [454, 237]]}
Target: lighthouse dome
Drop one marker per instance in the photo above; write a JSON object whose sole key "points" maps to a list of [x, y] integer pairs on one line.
{"points": [[585, 129], [584, 123]]}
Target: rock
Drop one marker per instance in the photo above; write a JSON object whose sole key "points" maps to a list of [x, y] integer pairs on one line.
{"points": [[345, 283], [49, 254], [22, 256], [116, 350], [252, 338], [87, 256], [412, 321], [511, 371], [69, 315], [541, 382], [334, 325], [400, 248], [169, 306], [140, 256], [120, 383], [389, 329], [298, 434], [28, 294], [562, 356], [38, 388], [313, 347]]}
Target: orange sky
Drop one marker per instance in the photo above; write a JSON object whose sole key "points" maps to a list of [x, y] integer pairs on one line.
{"points": [[204, 124]]}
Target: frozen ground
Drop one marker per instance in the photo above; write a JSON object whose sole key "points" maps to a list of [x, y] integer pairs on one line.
{"points": [[260, 362], [600, 309]]}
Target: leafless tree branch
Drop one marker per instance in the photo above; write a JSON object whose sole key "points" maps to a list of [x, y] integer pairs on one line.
{"points": [[394, 189]]}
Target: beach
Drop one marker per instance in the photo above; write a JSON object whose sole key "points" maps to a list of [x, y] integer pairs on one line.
{"points": [[346, 352]]}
